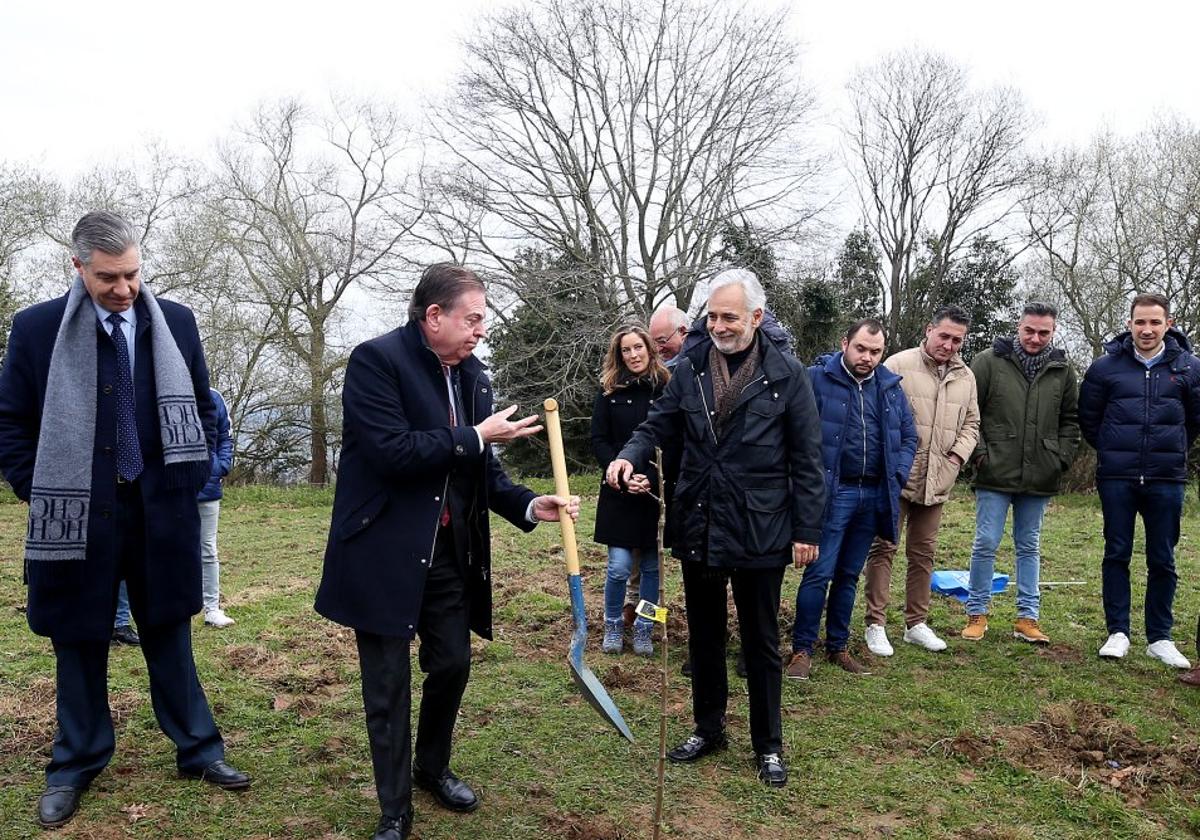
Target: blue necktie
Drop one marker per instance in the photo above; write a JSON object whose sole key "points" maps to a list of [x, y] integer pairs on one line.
{"points": [[129, 454]]}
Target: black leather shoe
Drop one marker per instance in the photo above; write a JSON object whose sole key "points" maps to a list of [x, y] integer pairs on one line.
{"points": [[125, 635], [394, 828], [58, 804], [771, 770], [740, 665], [220, 774], [449, 790], [696, 747]]}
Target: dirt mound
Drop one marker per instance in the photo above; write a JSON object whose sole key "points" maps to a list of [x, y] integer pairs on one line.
{"points": [[580, 827], [1081, 741]]}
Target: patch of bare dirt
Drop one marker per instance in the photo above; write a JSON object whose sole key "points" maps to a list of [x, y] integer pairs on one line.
{"points": [[1082, 742], [27, 718], [1060, 654], [583, 827], [255, 661]]}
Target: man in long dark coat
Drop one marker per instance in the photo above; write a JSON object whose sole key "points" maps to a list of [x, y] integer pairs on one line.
{"points": [[749, 500], [106, 425], [409, 548]]}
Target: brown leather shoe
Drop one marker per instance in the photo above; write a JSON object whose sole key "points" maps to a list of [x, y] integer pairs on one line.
{"points": [[846, 662], [1027, 630], [1191, 677], [628, 614], [799, 666], [976, 627]]}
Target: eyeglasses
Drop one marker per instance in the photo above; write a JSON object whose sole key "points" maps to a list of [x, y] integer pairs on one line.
{"points": [[661, 341]]}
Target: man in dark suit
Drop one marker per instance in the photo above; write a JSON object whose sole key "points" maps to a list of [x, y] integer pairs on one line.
{"points": [[409, 547], [105, 428]]}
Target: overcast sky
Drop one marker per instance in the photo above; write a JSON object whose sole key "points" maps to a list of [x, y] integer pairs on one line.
{"points": [[86, 83]]}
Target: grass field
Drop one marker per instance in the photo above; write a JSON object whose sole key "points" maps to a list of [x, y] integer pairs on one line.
{"points": [[992, 740]]}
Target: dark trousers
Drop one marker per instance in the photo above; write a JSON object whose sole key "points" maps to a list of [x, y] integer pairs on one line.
{"points": [[850, 527], [84, 742], [444, 657], [1160, 504], [756, 595]]}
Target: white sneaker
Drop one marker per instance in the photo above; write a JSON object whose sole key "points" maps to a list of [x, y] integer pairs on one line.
{"points": [[1116, 647], [921, 634], [1164, 651], [877, 640], [217, 618]]}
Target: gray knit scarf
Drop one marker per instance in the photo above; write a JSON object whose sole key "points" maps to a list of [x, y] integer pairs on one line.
{"points": [[62, 473], [1031, 364]]}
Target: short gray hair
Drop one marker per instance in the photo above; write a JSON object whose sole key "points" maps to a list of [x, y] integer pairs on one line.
{"points": [[102, 230], [675, 316], [756, 298]]}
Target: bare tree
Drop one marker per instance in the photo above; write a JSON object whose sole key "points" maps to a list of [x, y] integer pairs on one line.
{"points": [[27, 200], [935, 161], [309, 227], [622, 136], [1120, 217]]}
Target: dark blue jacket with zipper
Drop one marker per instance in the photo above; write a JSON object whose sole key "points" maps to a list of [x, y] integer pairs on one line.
{"points": [[1142, 421], [835, 391]]}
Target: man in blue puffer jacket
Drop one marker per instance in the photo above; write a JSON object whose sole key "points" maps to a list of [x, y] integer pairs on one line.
{"points": [[210, 513], [868, 441], [1139, 406]]}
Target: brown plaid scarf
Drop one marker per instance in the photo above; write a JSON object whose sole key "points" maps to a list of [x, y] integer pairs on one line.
{"points": [[726, 389]]}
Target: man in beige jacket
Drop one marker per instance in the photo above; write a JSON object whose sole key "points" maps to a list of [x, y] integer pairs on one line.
{"points": [[941, 389]]}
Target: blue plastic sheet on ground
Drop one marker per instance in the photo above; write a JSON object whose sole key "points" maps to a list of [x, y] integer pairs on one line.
{"points": [[957, 583]]}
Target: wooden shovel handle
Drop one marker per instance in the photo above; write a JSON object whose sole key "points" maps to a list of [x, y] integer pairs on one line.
{"points": [[558, 461]]}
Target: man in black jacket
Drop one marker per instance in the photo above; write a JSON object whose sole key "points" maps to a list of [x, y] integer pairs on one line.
{"points": [[1139, 406], [749, 499], [409, 547]]}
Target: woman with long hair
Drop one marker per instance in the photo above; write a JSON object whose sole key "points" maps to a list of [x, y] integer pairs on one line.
{"points": [[631, 379]]}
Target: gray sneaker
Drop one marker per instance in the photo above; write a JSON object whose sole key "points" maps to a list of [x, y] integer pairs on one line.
{"points": [[642, 642], [614, 632]]}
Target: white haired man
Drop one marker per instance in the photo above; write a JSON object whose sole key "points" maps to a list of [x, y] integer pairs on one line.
{"points": [[749, 499]]}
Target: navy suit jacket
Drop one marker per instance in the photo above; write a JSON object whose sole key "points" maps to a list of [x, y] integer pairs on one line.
{"points": [[399, 452], [77, 604]]}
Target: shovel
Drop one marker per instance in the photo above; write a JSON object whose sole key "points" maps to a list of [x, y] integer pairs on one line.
{"points": [[589, 686]]}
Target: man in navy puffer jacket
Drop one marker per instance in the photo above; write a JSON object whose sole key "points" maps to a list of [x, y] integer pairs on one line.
{"points": [[868, 441], [1139, 406]]}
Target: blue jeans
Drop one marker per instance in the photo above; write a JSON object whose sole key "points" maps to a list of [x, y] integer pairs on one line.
{"points": [[620, 562], [850, 526], [991, 511], [122, 618], [1160, 504]]}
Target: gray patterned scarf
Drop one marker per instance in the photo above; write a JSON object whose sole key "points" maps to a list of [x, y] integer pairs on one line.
{"points": [[62, 474], [1031, 365]]}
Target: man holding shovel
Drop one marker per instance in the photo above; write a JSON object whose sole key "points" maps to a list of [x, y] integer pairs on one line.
{"points": [[748, 501], [409, 550]]}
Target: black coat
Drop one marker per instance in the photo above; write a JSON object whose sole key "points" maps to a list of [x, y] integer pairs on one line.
{"points": [[623, 519], [1141, 421], [743, 500], [79, 607], [399, 452]]}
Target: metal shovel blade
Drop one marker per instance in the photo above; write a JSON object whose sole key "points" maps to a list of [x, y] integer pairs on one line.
{"points": [[589, 686]]}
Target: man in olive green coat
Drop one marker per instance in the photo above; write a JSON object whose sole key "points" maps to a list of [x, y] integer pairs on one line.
{"points": [[1028, 434]]}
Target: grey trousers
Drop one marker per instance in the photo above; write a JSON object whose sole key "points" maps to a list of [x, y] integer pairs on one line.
{"points": [[210, 513]]}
